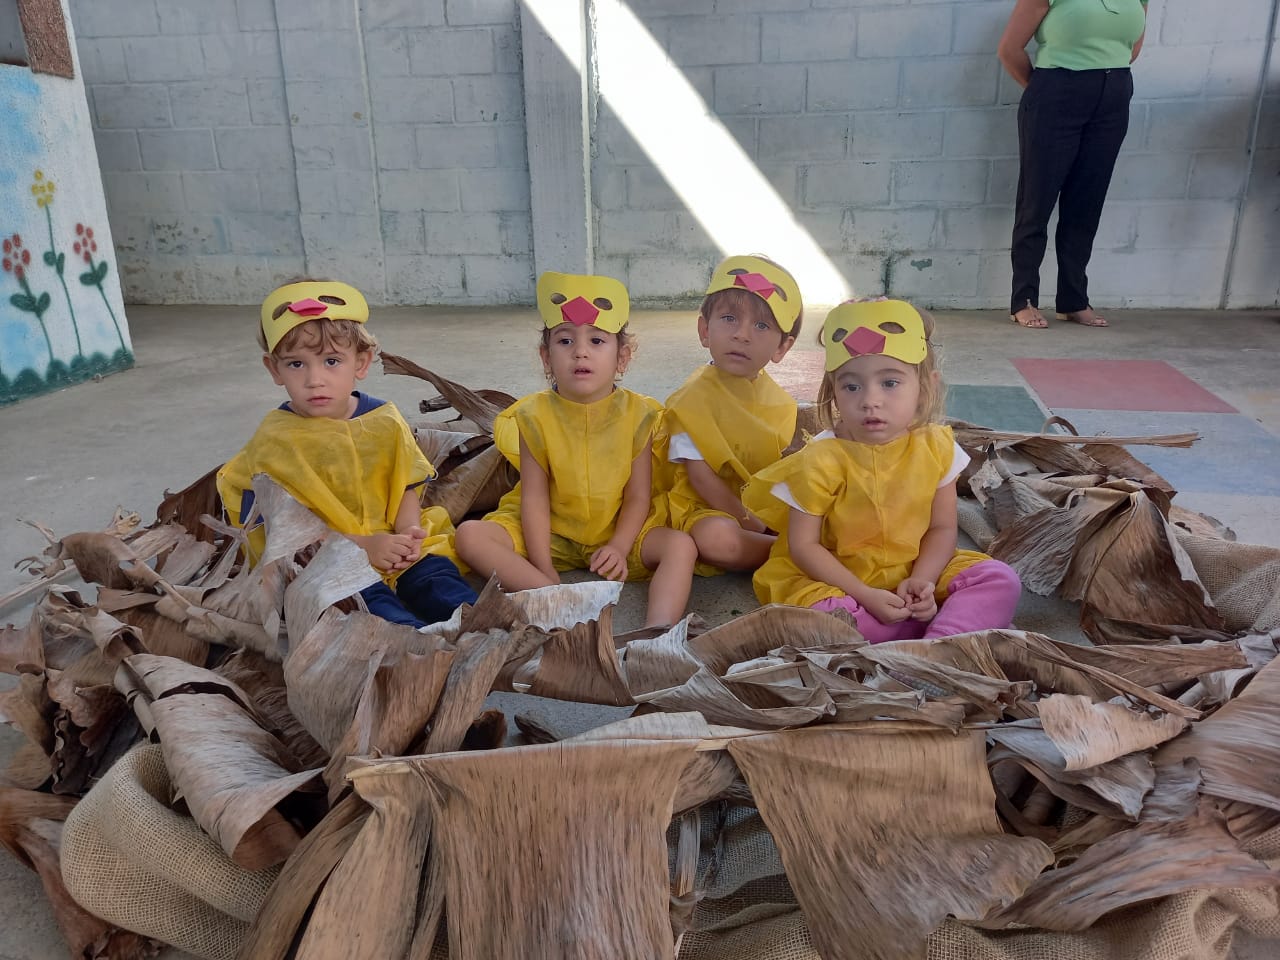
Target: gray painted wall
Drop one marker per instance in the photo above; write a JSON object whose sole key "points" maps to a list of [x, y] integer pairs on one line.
{"points": [[247, 141]]}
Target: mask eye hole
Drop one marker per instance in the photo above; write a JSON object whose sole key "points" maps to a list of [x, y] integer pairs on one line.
{"points": [[604, 303], [738, 272], [838, 334], [890, 326], [780, 292], [278, 312], [335, 301], [558, 298]]}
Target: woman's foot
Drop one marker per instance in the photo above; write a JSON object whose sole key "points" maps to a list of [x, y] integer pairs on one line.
{"points": [[1085, 317], [1030, 317]]}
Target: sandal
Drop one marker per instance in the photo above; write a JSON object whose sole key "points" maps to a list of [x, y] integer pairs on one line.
{"points": [[1031, 318], [1085, 317]]}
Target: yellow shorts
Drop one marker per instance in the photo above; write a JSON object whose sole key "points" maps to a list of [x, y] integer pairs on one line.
{"points": [[568, 554]]}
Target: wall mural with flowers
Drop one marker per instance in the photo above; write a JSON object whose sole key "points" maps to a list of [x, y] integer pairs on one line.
{"points": [[62, 317]]}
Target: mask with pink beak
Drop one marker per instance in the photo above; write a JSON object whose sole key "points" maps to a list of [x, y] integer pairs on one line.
{"points": [[583, 299], [295, 303], [893, 328]]}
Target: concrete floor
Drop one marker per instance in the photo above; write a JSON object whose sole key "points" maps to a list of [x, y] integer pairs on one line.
{"points": [[199, 390]]}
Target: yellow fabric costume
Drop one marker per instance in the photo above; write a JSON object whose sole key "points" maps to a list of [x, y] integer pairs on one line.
{"points": [[350, 473], [587, 450], [875, 502], [739, 426]]}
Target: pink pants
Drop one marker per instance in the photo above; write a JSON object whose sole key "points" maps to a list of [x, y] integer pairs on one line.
{"points": [[981, 597]]}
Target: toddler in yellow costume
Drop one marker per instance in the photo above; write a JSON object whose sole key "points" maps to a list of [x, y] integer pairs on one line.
{"points": [[584, 450], [348, 457], [730, 419], [867, 511]]}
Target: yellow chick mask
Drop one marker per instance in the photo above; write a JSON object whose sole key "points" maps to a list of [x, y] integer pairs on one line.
{"points": [[583, 299], [892, 328], [295, 303], [768, 281]]}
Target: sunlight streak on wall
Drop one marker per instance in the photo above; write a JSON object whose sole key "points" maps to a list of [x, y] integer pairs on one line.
{"points": [[700, 160]]}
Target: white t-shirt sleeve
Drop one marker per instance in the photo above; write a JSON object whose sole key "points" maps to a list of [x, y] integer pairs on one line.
{"points": [[681, 448], [959, 461], [783, 493]]}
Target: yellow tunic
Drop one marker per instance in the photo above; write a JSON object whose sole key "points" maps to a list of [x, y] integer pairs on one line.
{"points": [[587, 450], [875, 502], [350, 473], [739, 426]]}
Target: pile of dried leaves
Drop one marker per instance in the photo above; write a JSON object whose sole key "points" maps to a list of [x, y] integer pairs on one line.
{"points": [[782, 789]]}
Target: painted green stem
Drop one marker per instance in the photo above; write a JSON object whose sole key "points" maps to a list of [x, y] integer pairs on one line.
{"points": [[26, 288], [58, 268]]}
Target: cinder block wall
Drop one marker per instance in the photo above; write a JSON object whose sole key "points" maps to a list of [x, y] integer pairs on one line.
{"points": [[246, 141], [890, 131]]}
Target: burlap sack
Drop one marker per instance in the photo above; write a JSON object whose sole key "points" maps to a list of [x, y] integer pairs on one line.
{"points": [[129, 858], [1242, 578]]}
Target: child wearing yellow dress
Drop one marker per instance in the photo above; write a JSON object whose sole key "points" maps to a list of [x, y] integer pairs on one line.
{"points": [[867, 511], [584, 451], [730, 419], [348, 457]]}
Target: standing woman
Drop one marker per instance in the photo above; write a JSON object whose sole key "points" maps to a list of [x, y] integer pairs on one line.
{"points": [[1072, 118]]}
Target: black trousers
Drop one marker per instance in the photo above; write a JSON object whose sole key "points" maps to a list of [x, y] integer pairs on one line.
{"points": [[1070, 127]]}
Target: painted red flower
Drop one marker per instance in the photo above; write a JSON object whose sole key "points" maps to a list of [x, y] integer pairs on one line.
{"points": [[79, 229]]}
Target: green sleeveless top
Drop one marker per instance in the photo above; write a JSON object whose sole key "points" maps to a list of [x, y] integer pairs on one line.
{"points": [[1090, 34]]}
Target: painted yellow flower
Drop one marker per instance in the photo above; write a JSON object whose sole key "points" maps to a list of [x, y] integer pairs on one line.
{"points": [[42, 189]]}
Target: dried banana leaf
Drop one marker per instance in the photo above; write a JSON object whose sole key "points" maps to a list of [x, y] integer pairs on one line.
{"points": [[472, 405], [756, 633], [1134, 568], [1115, 789], [521, 884], [922, 798], [393, 710], [438, 446], [93, 728], [280, 921], [263, 680], [1145, 862], [1119, 462], [241, 784], [1042, 545], [1062, 668], [1238, 746], [472, 486], [31, 830], [367, 908], [21, 648], [159, 634], [188, 505], [327, 673], [707, 694], [1089, 733]]}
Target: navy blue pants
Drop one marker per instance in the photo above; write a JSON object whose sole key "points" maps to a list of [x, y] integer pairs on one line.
{"points": [[426, 593], [1070, 127]]}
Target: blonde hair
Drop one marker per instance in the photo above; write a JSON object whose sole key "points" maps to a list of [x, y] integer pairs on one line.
{"points": [[932, 390]]}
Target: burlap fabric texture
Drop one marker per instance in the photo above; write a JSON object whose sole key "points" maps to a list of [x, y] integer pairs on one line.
{"points": [[130, 858]]}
